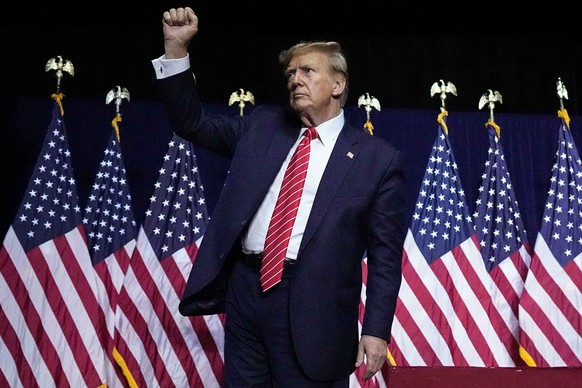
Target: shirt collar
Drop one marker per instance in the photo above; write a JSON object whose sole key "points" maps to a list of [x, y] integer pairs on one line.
{"points": [[329, 131]]}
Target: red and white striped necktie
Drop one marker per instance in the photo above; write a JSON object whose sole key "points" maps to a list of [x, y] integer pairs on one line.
{"points": [[285, 212]]}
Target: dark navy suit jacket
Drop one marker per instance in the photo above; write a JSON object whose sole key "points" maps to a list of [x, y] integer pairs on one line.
{"points": [[357, 212]]}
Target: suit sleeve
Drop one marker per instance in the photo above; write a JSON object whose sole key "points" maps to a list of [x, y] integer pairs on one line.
{"points": [[384, 254], [188, 119]]}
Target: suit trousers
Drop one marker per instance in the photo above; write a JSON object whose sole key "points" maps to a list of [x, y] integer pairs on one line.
{"points": [[258, 348]]}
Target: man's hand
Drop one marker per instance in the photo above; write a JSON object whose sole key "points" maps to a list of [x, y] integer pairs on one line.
{"points": [[375, 351], [180, 26]]}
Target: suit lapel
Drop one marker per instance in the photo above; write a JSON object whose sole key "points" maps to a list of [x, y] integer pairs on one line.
{"points": [[279, 145], [341, 160]]}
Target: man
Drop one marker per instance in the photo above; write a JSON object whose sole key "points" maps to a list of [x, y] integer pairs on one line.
{"points": [[302, 331]]}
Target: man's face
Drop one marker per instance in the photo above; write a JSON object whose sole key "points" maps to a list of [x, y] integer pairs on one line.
{"points": [[310, 84]]}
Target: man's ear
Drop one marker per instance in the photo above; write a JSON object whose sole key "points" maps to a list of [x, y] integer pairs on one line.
{"points": [[339, 86]]}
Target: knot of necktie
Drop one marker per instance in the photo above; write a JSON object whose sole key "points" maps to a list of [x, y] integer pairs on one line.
{"points": [[311, 133]]}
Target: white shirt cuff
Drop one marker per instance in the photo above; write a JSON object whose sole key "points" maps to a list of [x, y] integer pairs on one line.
{"points": [[168, 67]]}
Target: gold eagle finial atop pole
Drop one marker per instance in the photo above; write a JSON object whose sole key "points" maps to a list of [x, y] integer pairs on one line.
{"points": [[241, 97], [368, 102], [489, 98], [563, 93], [441, 88], [117, 94], [61, 66]]}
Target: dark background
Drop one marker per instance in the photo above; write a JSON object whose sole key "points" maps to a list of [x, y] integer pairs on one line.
{"points": [[395, 52]]}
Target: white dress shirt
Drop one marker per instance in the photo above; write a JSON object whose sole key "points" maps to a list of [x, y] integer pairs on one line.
{"points": [[321, 148]]}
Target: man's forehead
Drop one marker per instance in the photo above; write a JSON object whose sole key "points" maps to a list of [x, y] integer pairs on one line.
{"points": [[306, 59]]}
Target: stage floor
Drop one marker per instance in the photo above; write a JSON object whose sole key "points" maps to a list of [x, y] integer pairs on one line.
{"points": [[473, 377]]}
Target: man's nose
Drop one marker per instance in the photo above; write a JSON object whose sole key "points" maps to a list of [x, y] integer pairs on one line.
{"points": [[296, 78]]}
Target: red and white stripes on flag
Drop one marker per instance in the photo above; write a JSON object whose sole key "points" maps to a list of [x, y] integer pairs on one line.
{"points": [[550, 309], [160, 347], [53, 331], [111, 231], [502, 238], [445, 315]]}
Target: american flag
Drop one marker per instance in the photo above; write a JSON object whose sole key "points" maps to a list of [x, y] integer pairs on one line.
{"points": [[53, 331], [504, 245], [550, 310], [445, 315], [111, 230], [161, 347]]}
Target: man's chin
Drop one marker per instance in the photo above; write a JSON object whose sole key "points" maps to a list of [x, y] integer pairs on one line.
{"points": [[299, 104]]}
